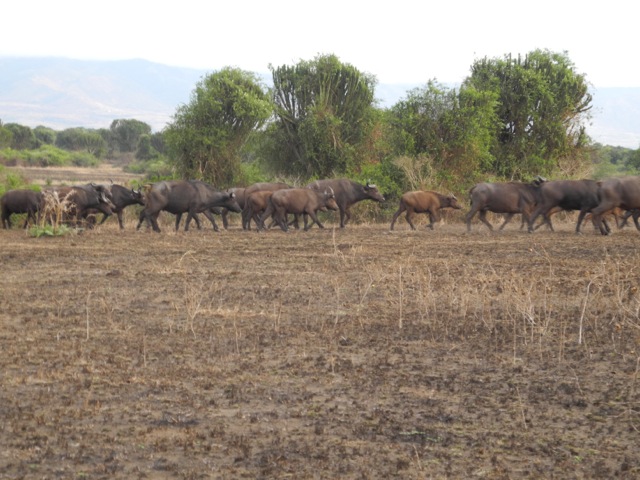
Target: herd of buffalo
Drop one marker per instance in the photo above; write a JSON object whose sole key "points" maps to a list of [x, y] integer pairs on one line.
{"points": [[276, 201]]}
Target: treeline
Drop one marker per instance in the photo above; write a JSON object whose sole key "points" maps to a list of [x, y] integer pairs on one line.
{"points": [[513, 118]]}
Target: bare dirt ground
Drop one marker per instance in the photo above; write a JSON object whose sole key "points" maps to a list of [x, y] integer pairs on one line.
{"points": [[356, 353]]}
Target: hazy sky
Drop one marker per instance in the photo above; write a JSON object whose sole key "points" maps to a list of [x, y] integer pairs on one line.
{"points": [[397, 41]]}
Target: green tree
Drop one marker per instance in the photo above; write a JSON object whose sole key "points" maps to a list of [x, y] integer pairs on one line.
{"points": [[542, 107], [22, 136], [324, 116], [44, 135], [633, 160], [82, 140], [125, 133], [6, 137], [145, 150], [440, 134], [207, 134]]}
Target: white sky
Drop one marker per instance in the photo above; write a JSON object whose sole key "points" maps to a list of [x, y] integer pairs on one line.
{"points": [[398, 41]]}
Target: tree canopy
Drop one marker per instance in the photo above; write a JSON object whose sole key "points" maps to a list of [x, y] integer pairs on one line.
{"points": [[324, 114], [124, 134], [542, 108], [206, 135], [449, 129]]}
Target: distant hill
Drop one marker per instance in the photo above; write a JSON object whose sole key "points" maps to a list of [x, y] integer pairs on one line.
{"points": [[62, 93]]}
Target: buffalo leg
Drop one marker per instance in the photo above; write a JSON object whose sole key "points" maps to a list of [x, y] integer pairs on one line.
{"points": [[470, 216], [190, 215], [280, 217], [211, 218], [225, 219], [343, 217], [396, 215], [483, 219], [433, 218], [408, 217], [636, 214], [506, 220], [581, 216], [150, 218], [315, 220], [120, 219]]}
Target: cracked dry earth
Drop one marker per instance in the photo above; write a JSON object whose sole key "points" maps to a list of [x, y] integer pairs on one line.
{"points": [[356, 353]]}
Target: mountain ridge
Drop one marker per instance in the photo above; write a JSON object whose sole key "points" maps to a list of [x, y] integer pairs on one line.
{"points": [[61, 93]]}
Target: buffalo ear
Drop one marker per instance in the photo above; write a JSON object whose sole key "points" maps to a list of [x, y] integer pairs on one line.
{"points": [[232, 195]]}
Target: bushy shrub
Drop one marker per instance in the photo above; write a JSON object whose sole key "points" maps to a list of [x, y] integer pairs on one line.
{"points": [[46, 156], [153, 170]]}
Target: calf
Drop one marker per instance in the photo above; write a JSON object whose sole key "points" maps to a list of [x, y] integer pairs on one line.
{"points": [[424, 202], [300, 201]]}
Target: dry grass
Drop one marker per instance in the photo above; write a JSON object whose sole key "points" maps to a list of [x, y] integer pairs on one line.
{"points": [[360, 353]]}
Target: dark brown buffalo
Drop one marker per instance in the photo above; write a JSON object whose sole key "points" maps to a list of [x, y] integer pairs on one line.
{"points": [[347, 193], [77, 200], [622, 192], [257, 187], [298, 201], [20, 201], [508, 197], [240, 198], [205, 190], [580, 195], [121, 197], [256, 204], [182, 196], [428, 202]]}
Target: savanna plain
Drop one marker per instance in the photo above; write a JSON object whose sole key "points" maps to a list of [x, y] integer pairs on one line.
{"points": [[355, 353]]}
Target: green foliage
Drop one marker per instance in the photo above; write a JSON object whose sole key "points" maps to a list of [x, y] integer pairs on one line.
{"points": [[125, 134], [251, 173], [22, 137], [206, 136], [44, 136], [154, 170], [542, 107], [145, 150], [385, 175], [6, 137], [48, 230], [82, 139], [13, 181], [47, 156], [438, 133], [608, 161], [324, 117]]}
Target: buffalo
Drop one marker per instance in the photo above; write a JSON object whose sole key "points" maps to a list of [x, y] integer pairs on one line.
{"points": [[182, 196], [20, 201], [299, 201], [122, 197], [580, 195], [240, 198], [347, 193], [76, 201], [424, 202], [256, 204], [258, 187], [508, 197], [622, 192]]}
